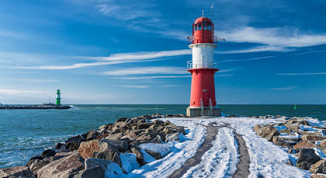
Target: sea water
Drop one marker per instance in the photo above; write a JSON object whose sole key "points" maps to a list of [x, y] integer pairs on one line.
{"points": [[26, 133]]}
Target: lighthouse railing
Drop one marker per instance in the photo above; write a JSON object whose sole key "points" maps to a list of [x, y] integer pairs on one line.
{"points": [[213, 65]]}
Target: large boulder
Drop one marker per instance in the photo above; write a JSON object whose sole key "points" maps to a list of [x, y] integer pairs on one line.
{"points": [[61, 168], [37, 162], [304, 144], [129, 162], [281, 141], [267, 132], [98, 168], [74, 142], [87, 149], [319, 167], [306, 158], [19, 171], [313, 138]]}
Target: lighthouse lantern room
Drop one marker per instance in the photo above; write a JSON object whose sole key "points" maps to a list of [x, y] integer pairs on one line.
{"points": [[202, 69]]}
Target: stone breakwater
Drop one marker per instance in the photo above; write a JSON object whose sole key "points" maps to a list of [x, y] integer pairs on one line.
{"points": [[304, 140], [110, 150]]}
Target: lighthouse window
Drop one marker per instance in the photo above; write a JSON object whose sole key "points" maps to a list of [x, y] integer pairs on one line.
{"points": [[199, 26], [205, 25]]}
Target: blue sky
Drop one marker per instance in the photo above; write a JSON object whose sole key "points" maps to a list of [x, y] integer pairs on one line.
{"points": [[125, 52]]}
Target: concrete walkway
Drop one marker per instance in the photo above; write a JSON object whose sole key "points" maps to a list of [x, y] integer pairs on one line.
{"points": [[212, 131]]}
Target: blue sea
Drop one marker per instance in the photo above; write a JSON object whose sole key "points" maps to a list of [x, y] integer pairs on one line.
{"points": [[26, 133]]}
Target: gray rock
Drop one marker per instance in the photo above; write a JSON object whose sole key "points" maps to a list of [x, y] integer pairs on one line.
{"points": [[64, 167], [267, 132], [172, 137], [36, 163], [306, 158], [19, 171]]}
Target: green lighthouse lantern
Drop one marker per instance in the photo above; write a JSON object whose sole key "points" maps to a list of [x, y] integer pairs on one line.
{"points": [[58, 98]]}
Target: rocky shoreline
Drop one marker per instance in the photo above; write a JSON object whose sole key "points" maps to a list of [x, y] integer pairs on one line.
{"points": [[121, 147], [110, 150], [303, 138]]}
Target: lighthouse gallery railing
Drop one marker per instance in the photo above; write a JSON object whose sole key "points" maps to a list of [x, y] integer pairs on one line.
{"points": [[203, 65]]}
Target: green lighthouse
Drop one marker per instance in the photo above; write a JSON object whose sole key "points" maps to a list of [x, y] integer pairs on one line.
{"points": [[58, 98]]}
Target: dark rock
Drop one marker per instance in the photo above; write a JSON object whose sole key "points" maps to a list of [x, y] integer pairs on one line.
{"points": [[139, 155], [48, 153], [108, 154], [95, 168], [306, 158], [143, 125], [60, 147], [318, 167], [93, 134], [280, 141], [158, 122], [121, 146], [19, 171], [154, 154], [74, 142], [124, 119]]}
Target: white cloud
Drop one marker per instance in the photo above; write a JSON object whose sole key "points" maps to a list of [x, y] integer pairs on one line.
{"points": [[250, 59], [257, 49], [310, 52], [136, 86], [147, 70], [153, 77], [130, 11], [116, 59], [285, 88], [275, 37], [13, 92], [143, 55], [298, 74]]}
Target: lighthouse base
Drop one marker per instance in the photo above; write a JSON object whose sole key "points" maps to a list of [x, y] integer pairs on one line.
{"points": [[195, 112]]}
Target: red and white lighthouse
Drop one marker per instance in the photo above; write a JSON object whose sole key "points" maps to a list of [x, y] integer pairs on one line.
{"points": [[202, 68]]}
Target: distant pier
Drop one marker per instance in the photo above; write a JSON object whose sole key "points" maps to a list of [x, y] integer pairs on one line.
{"points": [[44, 106]]}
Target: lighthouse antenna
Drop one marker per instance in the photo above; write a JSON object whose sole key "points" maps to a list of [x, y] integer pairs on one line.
{"points": [[212, 11], [202, 14]]}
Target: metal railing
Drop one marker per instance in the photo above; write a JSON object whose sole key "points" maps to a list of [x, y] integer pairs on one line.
{"points": [[214, 65]]}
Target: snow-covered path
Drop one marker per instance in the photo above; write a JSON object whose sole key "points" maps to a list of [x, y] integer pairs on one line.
{"points": [[222, 158]]}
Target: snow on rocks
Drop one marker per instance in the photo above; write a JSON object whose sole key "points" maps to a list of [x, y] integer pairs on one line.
{"points": [[304, 138]]}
